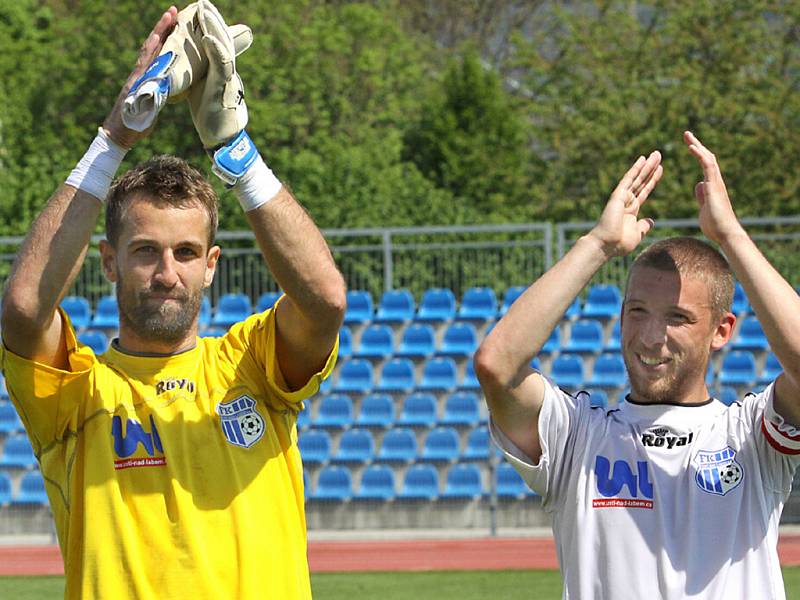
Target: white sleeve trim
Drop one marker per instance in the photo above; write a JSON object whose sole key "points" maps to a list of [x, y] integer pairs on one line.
{"points": [[782, 436]]}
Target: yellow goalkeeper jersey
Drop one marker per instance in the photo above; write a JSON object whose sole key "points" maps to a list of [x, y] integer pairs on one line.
{"points": [[172, 477]]}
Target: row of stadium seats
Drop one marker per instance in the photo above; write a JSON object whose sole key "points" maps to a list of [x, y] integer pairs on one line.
{"points": [[31, 490], [421, 482]]}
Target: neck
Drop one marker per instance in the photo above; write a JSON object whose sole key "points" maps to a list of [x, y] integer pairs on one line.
{"points": [[131, 343]]}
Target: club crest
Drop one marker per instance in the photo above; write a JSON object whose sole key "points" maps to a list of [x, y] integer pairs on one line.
{"points": [[717, 472], [241, 422]]}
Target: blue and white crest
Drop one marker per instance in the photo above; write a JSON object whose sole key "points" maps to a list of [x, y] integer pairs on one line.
{"points": [[717, 472], [241, 422]]}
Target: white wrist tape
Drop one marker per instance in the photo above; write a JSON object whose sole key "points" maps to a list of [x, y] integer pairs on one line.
{"points": [[257, 186], [95, 171]]}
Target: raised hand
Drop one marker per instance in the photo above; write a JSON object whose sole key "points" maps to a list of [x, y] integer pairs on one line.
{"points": [[620, 229], [717, 218], [150, 48]]}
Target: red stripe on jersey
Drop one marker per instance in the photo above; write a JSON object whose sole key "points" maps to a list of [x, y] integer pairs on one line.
{"points": [[775, 443]]}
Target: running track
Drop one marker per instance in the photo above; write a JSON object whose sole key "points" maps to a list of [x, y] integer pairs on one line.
{"points": [[402, 555]]}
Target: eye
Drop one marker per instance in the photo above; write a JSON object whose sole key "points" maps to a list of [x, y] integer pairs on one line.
{"points": [[144, 249], [186, 252], [678, 319]]}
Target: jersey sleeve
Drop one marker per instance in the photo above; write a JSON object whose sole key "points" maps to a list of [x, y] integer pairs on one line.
{"points": [[559, 418], [778, 442], [256, 336], [48, 399]]}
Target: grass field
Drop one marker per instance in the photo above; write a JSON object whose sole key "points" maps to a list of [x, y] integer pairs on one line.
{"points": [[436, 585]]}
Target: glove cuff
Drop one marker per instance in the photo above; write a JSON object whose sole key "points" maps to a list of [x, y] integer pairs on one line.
{"points": [[232, 160], [95, 171]]}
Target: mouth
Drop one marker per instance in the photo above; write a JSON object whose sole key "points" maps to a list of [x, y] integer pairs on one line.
{"points": [[652, 361]]}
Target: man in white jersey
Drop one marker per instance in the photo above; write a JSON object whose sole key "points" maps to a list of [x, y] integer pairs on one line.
{"points": [[672, 495], [171, 461]]}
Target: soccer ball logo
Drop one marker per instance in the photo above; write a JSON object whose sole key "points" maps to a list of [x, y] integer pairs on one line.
{"points": [[251, 425], [730, 474]]}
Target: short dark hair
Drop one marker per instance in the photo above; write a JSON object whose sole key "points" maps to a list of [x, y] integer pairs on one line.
{"points": [[166, 181], [693, 258]]}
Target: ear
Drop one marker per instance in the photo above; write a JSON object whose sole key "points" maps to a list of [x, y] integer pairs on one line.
{"points": [[723, 332], [211, 265], [108, 258]]}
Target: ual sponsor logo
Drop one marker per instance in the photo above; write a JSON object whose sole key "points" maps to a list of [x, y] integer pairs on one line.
{"points": [[622, 486], [128, 440]]}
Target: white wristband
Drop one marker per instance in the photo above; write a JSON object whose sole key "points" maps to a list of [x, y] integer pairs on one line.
{"points": [[95, 171], [257, 186]]}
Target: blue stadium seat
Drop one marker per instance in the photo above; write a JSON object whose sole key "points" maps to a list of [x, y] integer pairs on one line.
{"points": [[463, 481], [751, 336], [478, 444], [602, 302], [478, 304], [397, 375], [334, 483], [377, 341], [355, 377], [359, 307], [307, 491], [356, 446], [31, 490], [586, 337], [438, 374], [418, 341], [79, 311], [599, 398], [398, 446], [567, 371], [741, 304], [231, 308], [442, 445], [326, 385], [18, 453], [5, 489], [574, 310], [470, 381], [728, 395], [609, 371], [204, 317], [738, 369], [421, 482], [345, 342], [553, 343], [304, 417], [377, 410], [772, 368], [213, 332], [437, 305], [9, 419], [461, 409], [509, 483], [334, 412], [106, 315], [460, 340], [267, 300], [396, 306], [510, 297], [614, 343], [95, 339], [377, 483], [419, 410], [315, 446]]}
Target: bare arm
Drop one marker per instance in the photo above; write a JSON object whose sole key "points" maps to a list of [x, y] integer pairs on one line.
{"points": [[297, 255], [53, 251], [775, 303], [514, 392]]}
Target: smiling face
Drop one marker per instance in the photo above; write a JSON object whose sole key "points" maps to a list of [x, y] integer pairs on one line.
{"points": [[161, 263], [668, 333]]}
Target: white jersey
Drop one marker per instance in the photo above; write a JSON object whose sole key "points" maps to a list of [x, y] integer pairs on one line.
{"points": [[663, 501]]}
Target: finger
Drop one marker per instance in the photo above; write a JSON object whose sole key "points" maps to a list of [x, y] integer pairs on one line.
{"points": [[650, 184], [644, 226], [219, 59], [708, 161], [649, 167], [627, 180]]}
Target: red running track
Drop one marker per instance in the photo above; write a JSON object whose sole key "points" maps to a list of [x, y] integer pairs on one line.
{"points": [[402, 555]]}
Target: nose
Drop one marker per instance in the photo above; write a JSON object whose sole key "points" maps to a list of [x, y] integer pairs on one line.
{"points": [[166, 273], [652, 333]]}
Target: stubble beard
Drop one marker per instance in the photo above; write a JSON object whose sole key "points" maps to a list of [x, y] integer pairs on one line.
{"points": [[167, 322], [669, 388]]}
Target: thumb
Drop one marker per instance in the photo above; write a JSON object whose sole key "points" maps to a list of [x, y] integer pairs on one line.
{"points": [[242, 37], [644, 226]]}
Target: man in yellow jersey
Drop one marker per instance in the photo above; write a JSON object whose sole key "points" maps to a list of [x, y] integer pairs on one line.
{"points": [[171, 461]]}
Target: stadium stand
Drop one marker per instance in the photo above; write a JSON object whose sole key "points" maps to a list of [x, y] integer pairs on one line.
{"points": [[614, 343], [5, 489], [418, 341], [509, 482], [478, 304], [477, 446], [437, 305], [95, 339], [738, 369], [359, 307], [106, 314], [355, 377], [439, 374], [399, 446], [567, 371], [574, 310], [442, 445], [204, 318], [586, 337], [267, 300], [463, 481], [419, 410], [772, 368], [728, 395], [334, 412], [356, 446], [608, 372], [510, 296], [31, 490], [315, 447], [598, 398], [602, 302], [460, 340], [231, 309], [750, 336], [461, 409], [396, 306], [397, 375], [334, 483], [421, 482], [213, 332], [377, 483], [18, 453], [79, 311], [553, 343], [741, 304], [304, 417], [345, 342], [469, 381], [377, 411], [9, 419], [377, 341]]}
